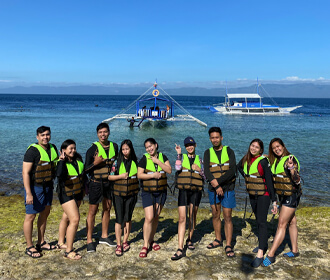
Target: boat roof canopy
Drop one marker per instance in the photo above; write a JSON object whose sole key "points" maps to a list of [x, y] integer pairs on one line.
{"points": [[243, 95]]}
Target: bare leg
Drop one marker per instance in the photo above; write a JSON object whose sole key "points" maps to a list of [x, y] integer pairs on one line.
{"points": [[293, 231], [216, 220], [118, 232], [227, 214], [72, 212], [155, 223], [147, 226], [41, 224], [62, 228], [90, 221], [285, 217], [127, 231], [106, 217], [28, 227], [181, 227], [192, 213]]}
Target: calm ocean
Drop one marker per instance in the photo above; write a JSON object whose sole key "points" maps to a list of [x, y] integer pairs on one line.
{"points": [[305, 133]]}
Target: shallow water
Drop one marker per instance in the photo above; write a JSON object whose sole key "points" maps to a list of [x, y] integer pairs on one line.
{"points": [[305, 133]]}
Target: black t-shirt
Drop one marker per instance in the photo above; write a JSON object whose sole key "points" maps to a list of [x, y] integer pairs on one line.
{"points": [[143, 162], [91, 152], [33, 155]]}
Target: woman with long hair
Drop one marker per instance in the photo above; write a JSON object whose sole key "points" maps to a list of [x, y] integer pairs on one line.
{"points": [[152, 172], [285, 168], [125, 190], [255, 169], [71, 180]]}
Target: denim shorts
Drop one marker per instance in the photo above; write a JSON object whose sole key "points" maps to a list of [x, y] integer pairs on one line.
{"points": [[228, 199], [150, 198], [42, 197]]}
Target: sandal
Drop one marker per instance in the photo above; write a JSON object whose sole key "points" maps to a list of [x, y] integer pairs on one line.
{"points": [[176, 256], [61, 246], [72, 255], [154, 246], [190, 245], [142, 253], [126, 247], [119, 251], [32, 254], [229, 252], [212, 246], [40, 247]]}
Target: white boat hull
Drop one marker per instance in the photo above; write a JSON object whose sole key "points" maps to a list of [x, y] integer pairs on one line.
{"points": [[254, 111]]}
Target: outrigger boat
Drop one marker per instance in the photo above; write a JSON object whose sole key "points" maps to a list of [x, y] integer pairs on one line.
{"points": [[249, 104], [157, 109]]}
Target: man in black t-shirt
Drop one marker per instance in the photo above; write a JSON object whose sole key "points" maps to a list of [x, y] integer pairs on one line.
{"points": [[38, 175], [99, 159]]}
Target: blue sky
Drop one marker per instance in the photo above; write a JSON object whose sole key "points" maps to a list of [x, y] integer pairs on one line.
{"points": [[103, 42]]}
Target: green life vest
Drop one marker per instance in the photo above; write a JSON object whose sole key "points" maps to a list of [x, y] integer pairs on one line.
{"points": [[74, 182], [102, 171], [154, 185], [45, 170], [255, 185], [219, 168], [282, 182], [187, 178], [129, 186]]}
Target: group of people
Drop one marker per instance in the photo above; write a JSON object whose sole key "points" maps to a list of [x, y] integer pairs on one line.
{"points": [[115, 176]]}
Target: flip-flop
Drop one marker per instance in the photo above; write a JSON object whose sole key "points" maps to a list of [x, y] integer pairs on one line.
{"points": [[212, 246], [40, 248], [31, 253], [230, 251]]}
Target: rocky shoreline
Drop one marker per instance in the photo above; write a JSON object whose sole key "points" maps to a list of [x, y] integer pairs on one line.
{"points": [[313, 262]]}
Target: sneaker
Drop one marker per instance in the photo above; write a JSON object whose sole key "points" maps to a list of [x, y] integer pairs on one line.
{"points": [[107, 241], [91, 247]]}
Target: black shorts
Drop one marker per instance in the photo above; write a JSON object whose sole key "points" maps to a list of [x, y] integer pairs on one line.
{"points": [[291, 201], [63, 198], [124, 207], [187, 197], [98, 191]]}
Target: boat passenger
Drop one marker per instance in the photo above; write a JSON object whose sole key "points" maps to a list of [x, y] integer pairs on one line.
{"points": [[189, 181], [99, 159], [125, 190], [71, 179], [152, 172], [220, 171], [255, 169], [38, 176], [285, 168]]}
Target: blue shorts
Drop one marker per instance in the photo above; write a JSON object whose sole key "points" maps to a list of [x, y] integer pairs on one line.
{"points": [[42, 197], [149, 198], [228, 199]]}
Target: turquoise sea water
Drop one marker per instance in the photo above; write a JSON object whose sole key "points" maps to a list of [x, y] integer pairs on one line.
{"points": [[305, 133]]}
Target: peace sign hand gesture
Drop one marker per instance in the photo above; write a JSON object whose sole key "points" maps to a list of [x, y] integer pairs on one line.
{"points": [[178, 149], [290, 163]]}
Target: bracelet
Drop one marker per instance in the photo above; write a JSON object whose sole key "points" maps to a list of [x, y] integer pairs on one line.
{"points": [[291, 168]]}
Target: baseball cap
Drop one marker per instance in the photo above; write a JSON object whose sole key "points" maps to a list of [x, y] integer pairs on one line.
{"points": [[189, 140]]}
